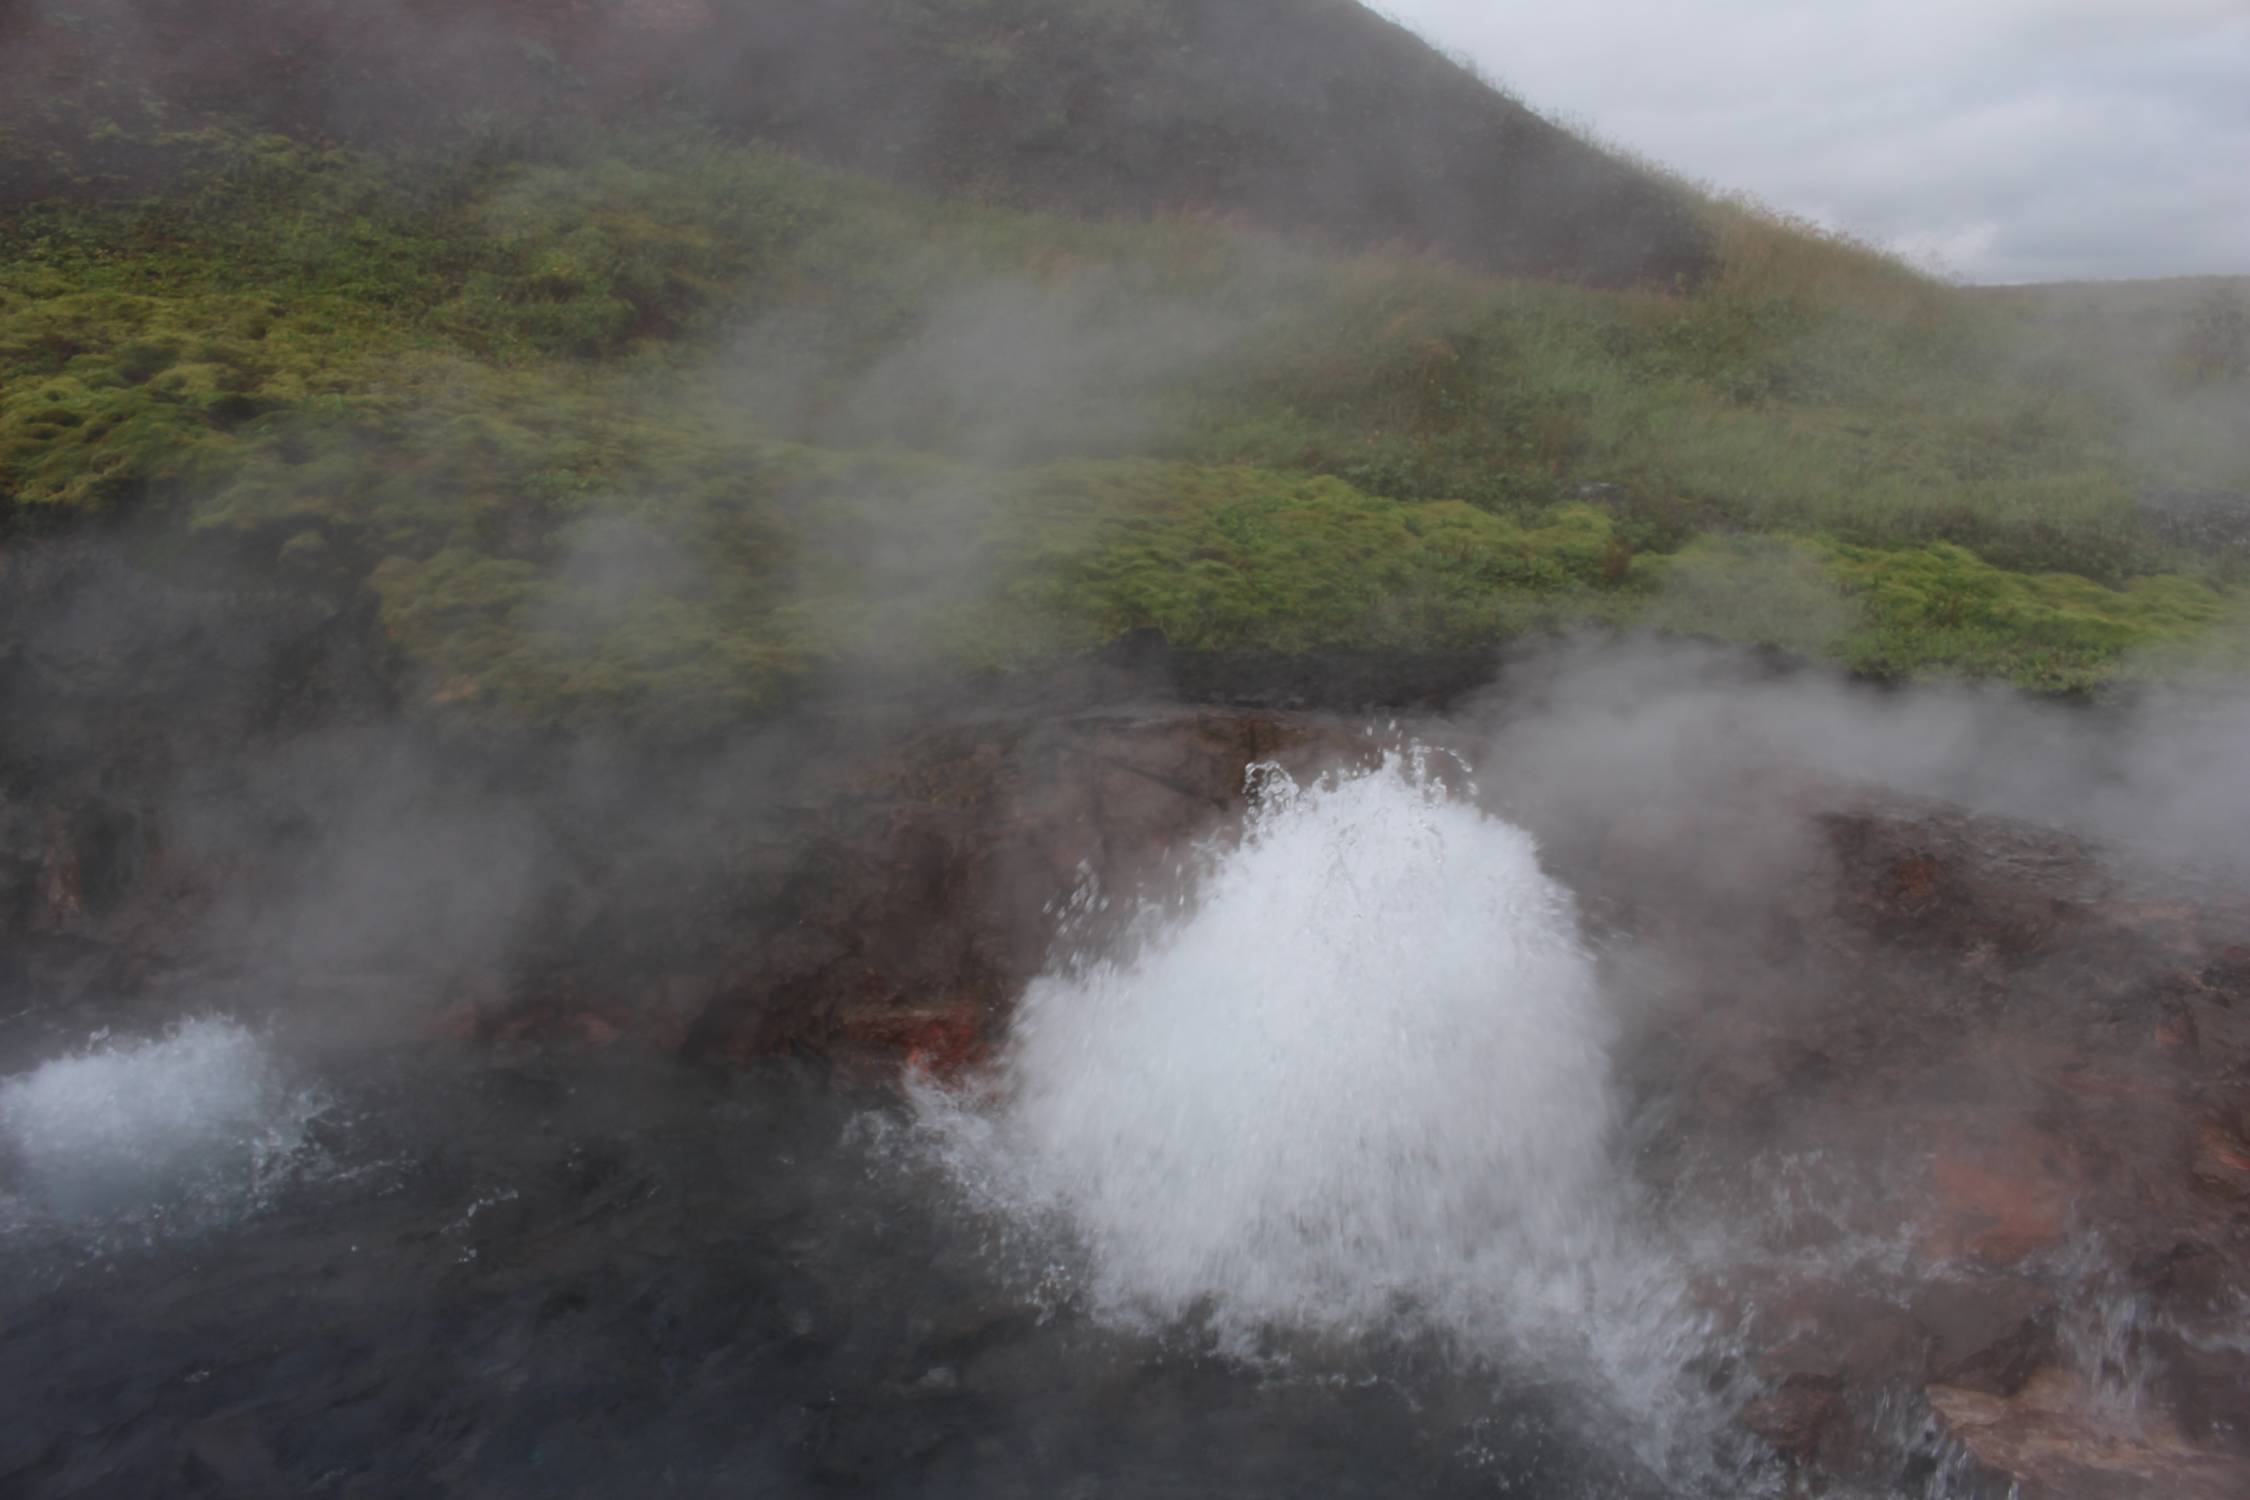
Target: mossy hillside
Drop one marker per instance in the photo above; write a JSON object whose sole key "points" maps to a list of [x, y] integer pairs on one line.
{"points": [[136, 338], [790, 566], [1312, 117], [459, 378], [1939, 611], [1942, 608], [1789, 394], [807, 565]]}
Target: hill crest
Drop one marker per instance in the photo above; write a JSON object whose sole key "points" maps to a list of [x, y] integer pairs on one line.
{"points": [[1314, 117]]}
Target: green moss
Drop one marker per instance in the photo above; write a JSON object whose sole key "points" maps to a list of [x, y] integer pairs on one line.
{"points": [[1938, 611], [1941, 608], [1247, 560], [1769, 591], [715, 603]]}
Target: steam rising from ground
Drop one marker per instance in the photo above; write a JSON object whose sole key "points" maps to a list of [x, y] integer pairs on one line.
{"points": [[191, 1126], [1659, 724], [1359, 1089]]}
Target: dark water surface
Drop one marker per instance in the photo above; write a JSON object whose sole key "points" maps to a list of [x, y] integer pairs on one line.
{"points": [[569, 1275]]}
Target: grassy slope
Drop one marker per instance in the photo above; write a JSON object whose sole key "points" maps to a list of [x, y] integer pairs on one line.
{"points": [[665, 427]]}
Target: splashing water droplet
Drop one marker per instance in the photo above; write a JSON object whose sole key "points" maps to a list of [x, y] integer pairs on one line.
{"points": [[1358, 1085], [191, 1125]]}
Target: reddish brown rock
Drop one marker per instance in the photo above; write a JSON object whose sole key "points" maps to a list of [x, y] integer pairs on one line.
{"points": [[2056, 1441], [1999, 1201], [941, 1043], [1997, 1059], [924, 883], [2224, 1158]]}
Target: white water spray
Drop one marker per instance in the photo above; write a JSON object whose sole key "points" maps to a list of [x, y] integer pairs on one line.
{"points": [[1360, 1086], [192, 1124]]}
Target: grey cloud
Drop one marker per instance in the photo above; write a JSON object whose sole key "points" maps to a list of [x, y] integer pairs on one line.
{"points": [[1998, 140]]}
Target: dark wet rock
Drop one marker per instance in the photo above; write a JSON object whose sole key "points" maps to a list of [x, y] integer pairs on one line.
{"points": [[1834, 1355], [2197, 1342], [1986, 1333], [1800, 1417]]}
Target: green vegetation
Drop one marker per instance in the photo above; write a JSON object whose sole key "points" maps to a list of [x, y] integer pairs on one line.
{"points": [[667, 427], [1905, 611]]}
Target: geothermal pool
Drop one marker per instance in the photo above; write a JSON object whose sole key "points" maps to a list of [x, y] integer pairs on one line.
{"points": [[1306, 1177]]}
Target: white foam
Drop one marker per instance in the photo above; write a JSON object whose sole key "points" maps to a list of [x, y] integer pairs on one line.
{"points": [[198, 1120], [1362, 1083]]}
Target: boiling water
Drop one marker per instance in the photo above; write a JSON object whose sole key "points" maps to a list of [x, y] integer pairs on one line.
{"points": [[185, 1126], [1350, 1113], [1357, 1087], [594, 1275]]}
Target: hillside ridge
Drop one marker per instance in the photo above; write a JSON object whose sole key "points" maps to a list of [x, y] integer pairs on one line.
{"points": [[599, 406], [1311, 116]]}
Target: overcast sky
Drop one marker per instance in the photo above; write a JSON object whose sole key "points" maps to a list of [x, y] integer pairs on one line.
{"points": [[1997, 140]]}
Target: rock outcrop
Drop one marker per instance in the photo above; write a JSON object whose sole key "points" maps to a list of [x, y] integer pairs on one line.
{"points": [[902, 895], [2054, 1440], [1971, 1094]]}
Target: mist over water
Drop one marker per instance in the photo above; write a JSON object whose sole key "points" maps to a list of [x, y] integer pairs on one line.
{"points": [[1356, 1088]]}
